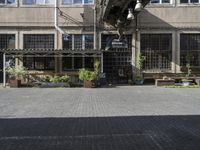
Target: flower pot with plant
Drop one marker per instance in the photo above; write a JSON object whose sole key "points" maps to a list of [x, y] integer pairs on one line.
{"points": [[16, 74], [139, 80], [186, 81], [87, 77]]}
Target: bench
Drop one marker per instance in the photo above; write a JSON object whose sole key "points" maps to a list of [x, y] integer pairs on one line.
{"points": [[163, 82]]}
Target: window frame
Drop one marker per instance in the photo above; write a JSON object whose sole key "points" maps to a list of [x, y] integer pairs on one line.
{"points": [[35, 4], [6, 3], [189, 2], [72, 3], [161, 3]]}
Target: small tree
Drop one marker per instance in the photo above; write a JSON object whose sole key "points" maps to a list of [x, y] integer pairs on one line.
{"points": [[140, 63]]}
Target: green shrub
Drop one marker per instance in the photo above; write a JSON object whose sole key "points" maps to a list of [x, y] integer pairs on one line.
{"points": [[86, 75], [57, 79], [17, 72]]}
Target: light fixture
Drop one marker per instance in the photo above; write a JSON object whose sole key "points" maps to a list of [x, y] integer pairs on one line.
{"points": [[130, 15], [138, 6]]}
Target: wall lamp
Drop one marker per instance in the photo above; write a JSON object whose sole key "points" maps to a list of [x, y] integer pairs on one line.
{"points": [[130, 14], [138, 6]]}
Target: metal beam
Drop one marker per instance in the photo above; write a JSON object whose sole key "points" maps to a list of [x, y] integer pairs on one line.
{"points": [[4, 70]]}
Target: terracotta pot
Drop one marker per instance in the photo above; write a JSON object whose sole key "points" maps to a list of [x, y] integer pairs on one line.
{"points": [[15, 83], [88, 84]]}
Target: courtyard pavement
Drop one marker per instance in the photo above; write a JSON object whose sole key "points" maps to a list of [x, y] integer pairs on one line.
{"points": [[119, 118]]}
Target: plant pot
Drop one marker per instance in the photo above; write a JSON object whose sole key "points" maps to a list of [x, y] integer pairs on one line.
{"points": [[186, 82], [139, 82], [14, 83], [87, 84]]}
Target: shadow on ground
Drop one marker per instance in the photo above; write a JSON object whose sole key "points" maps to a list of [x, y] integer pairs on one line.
{"points": [[101, 133]]}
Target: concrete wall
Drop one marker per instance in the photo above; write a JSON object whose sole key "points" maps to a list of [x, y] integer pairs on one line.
{"points": [[44, 16]]}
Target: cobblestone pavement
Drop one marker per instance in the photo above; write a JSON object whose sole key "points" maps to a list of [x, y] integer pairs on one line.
{"points": [[120, 118]]}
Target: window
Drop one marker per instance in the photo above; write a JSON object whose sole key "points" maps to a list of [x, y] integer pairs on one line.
{"points": [[78, 62], [39, 41], [157, 49], [71, 2], [4, 2], [37, 2], [39, 63], [89, 41], [89, 62], [160, 1], [189, 1], [190, 49], [80, 42], [67, 63], [7, 41]]}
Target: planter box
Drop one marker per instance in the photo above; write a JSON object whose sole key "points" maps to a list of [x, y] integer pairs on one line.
{"points": [[161, 82], [87, 84], [52, 85], [14, 83]]}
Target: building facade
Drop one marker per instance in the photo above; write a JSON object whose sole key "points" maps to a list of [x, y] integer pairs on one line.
{"points": [[166, 32]]}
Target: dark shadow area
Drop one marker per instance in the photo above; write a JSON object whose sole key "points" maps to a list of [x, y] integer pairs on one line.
{"points": [[101, 133]]}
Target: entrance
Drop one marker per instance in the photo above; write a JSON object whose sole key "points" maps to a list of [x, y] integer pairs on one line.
{"points": [[117, 66]]}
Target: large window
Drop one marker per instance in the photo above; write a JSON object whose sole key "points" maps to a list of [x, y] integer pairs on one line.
{"points": [[157, 49], [160, 1], [79, 41], [7, 41], [5, 2], [190, 49], [39, 63], [71, 2], [189, 1], [39, 41], [38, 2]]}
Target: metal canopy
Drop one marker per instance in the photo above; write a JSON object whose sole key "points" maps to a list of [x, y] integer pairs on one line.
{"points": [[51, 52]]}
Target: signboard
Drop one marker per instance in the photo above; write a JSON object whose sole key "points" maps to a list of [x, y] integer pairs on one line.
{"points": [[116, 43]]}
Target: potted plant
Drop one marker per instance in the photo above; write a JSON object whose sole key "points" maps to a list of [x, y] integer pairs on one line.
{"points": [[186, 81], [87, 77], [139, 80], [16, 74]]}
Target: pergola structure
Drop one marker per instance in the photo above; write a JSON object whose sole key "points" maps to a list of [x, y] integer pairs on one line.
{"points": [[45, 53]]}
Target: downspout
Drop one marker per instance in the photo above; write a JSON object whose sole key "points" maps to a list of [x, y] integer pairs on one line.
{"points": [[95, 28], [56, 19]]}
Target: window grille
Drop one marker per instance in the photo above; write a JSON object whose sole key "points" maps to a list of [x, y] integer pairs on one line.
{"points": [[190, 49], [157, 49], [39, 41]]}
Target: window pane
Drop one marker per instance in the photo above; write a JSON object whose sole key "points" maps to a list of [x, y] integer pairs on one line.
{"points": [[67, 63], [49, 1], [67, 2], [77, 41], [7, 41], [28, 62], [165, 1], [77, 1], [10, 1], [89, 62], [89, 41], [67, 44], [88, 1], [155, 1], [49, 63], [2, 1], [39, 41], [29, 2], [194, 1], [183, 1], [39, 1], [78, 62]]}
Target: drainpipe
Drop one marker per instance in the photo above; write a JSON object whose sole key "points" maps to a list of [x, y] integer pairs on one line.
{"points": [[56, 19], [4, 70]]}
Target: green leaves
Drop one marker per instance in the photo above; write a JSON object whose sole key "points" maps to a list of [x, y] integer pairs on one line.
{"points": [[87, 75]]}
